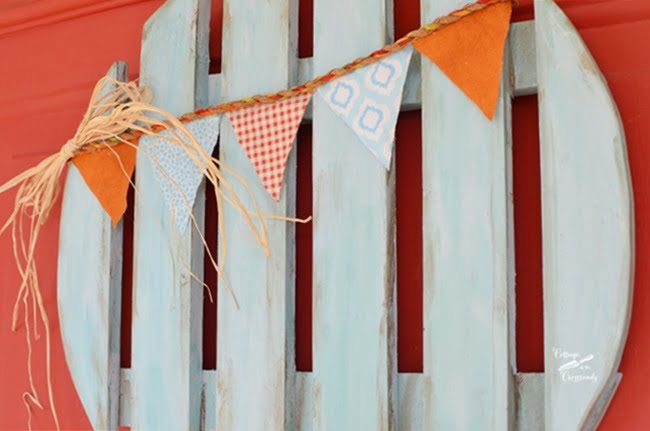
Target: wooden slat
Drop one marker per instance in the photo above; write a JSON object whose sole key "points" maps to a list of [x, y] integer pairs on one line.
{"points": [[467, 352], [354, 354], [167, 304], [255, 360], [588, 232], [89, 292]]}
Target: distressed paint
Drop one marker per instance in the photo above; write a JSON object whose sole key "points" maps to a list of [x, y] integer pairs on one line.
{"points": [[564, 66], [255, 359], [588, 231], [467, 273], [167, 303], [354, 358], [89, 292], [529, 393], [410, 386]]}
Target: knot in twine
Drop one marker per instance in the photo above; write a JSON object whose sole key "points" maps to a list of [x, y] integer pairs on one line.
{"points": [[71, 149], [118, 112], [114, 108]]}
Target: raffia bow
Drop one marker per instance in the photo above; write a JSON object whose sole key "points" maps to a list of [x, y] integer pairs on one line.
{"points": [[115, 108]]}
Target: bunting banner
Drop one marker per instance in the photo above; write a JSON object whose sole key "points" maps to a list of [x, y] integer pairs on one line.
{"points": [[470, 53], [267, 134], [107, 173], [368, 100], [177, 172], [467, 45]]}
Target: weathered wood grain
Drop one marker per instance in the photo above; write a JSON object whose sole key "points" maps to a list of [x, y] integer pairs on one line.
{"points": [[354, 356], [529, 393], [167, 303], [588, 231], [89, 292], [467, 276], [255, 360]]}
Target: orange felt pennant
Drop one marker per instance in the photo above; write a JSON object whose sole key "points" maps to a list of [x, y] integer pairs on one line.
{"points": [[470, 53], [108, 177]]}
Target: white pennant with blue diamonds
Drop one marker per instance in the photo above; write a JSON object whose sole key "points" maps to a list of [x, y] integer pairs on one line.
{"points": [[178, 175], [369, 100]]}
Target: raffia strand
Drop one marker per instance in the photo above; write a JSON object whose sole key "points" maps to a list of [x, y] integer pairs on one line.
{"points": [[114, 109]]}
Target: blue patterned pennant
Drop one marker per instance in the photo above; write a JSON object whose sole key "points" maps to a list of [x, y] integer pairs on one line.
{"points": [[369, 100], [178, 175]]}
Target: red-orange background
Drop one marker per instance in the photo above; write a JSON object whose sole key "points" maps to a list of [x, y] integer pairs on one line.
{"points": [[53, 52]]}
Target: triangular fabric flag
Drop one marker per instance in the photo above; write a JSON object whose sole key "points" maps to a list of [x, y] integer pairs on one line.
{"points": [[470, 53], [368, 100], [267, 132], [107, 172], [176, 171]]}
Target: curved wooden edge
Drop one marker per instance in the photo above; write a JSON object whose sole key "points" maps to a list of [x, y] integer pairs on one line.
{"points": [[588, 225], [89, 295]]}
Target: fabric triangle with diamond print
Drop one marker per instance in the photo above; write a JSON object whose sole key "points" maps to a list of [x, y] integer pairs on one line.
{"points": [[177, 173], [368, 100], [267, 133]]}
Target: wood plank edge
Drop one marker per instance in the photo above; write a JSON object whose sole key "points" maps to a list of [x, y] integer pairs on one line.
{"points": [[529, 388]]}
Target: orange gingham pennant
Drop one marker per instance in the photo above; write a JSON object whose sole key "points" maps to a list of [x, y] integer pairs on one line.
{"points": [[267, 133]]}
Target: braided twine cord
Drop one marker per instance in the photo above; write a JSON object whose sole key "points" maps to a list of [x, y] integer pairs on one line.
{"points": [[312, 85]]}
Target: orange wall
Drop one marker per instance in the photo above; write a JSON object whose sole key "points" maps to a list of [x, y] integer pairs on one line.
{"points": [[53, 52]]}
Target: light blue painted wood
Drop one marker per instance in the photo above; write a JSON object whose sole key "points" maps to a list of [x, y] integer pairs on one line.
{"points": [[409, 401], [167, 303], [89, 292], [529, 393], [588, 232], [354, 355], [468, 381], [467, 282], [255, 359]]}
